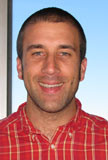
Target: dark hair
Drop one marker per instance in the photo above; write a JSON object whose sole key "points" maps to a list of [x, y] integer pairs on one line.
{"points": [[51, 15]]}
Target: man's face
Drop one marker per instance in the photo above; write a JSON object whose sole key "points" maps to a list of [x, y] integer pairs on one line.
{"points": [[51, 65]]}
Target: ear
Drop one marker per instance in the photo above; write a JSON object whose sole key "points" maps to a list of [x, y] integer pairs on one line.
{"points": [[83, 69], [19, 68]]}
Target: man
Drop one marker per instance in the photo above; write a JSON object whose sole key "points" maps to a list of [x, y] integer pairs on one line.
{"points": [[51, 125]]}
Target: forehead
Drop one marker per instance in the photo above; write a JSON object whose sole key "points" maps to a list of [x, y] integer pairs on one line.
{"points": [[50, 31]]}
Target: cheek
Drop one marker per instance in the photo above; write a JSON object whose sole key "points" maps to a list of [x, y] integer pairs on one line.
{"points": [[27, 71], [72, 71], [30, 67], [31, 73]]}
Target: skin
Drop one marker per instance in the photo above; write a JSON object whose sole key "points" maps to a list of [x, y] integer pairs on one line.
{"points": [[51, 56]]}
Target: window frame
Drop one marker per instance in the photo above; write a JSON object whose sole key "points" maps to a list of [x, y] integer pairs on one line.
{"points": [[5, 57]]}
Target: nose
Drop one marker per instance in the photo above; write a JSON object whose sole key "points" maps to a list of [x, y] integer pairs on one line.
{"points": [[50, 66]]}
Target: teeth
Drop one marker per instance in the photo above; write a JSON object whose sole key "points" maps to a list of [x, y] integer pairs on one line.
{"points": [[51, 85]]}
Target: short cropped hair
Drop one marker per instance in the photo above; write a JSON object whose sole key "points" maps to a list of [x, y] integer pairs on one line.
{"points": [[55, 15]]}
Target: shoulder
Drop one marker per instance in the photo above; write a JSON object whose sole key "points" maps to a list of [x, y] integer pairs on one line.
{"points": [[8, 122], [11, 121], [94, 121]]}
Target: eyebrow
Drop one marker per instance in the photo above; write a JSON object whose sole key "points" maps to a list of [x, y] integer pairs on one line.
{"points": [[33, 46], [64, 46]]}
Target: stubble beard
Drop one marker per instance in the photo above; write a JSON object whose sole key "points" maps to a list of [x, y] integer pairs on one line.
{"points": [[54, 106]]}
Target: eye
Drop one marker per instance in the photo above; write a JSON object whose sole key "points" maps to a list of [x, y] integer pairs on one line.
{"points": [[65, 54], [38, 53]]}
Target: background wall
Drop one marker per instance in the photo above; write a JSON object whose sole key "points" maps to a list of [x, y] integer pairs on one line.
{"points": [[93, 16]]}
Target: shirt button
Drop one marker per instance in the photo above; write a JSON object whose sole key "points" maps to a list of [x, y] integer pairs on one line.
{"points": [[52, 146], [70, 134]]}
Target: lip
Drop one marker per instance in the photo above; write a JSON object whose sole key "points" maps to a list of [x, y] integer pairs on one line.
{"points": [[51, 88]]}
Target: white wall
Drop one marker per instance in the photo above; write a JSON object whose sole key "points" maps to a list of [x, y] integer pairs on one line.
{"points": [[3, 58]]}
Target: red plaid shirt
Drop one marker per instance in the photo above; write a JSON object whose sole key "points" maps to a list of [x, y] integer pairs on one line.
{"points": [[84, 138]]}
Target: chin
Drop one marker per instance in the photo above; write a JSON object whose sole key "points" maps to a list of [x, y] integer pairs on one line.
{"points": [[52, 107]]}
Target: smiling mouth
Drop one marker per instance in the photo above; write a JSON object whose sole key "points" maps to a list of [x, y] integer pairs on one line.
{"points": [[51, 85]]}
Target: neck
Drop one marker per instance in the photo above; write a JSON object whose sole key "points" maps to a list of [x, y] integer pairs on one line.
{"points": [[46, 122]]}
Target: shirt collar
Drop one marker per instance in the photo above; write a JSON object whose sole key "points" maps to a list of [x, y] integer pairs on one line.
{"points": [[28, 127], [74, 123]]}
